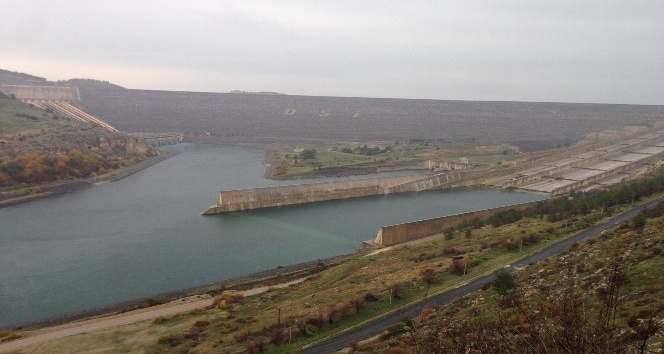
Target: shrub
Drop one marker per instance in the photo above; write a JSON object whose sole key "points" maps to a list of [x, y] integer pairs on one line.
{"points": [[450, 251], [173, 339], [308, 154], [504, 282], [457, 267]]}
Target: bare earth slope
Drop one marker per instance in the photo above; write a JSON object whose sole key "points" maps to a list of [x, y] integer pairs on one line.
{"points": [[308, 117]]}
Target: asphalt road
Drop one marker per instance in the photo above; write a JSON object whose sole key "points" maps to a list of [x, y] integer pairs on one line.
{"points": [[378, 325]]}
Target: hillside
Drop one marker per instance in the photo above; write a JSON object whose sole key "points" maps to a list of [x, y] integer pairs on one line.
{"points": [[603, 295], [44, 146], [15, 78]]}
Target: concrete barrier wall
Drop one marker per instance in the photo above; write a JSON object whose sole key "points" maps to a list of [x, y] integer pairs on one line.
{"points": [[437, 181], [56, 93], [256, 198], [394, 234]]}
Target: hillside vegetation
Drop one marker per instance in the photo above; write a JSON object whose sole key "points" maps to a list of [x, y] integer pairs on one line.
{"points": [[43, 146]]}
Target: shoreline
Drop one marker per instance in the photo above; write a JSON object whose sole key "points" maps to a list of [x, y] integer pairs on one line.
{"points": [[270, 276], [65, 187]]}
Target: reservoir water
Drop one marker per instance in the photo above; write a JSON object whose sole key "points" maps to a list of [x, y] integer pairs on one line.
{"points": [[143, 235]]}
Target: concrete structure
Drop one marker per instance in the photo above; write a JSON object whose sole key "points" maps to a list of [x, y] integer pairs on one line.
{"points": [[404, 232], [256, 198], [159, 139], [584, 167], [71, 110], [55, 93], [578, 168]]}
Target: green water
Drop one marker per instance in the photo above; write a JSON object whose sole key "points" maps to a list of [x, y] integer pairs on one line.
{"points": [[143, 235]]}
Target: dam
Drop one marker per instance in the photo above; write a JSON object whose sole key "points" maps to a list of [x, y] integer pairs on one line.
{"points": [[574, 169]]}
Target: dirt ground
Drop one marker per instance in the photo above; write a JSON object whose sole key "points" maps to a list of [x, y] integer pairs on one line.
{"points": [[175, 307]]}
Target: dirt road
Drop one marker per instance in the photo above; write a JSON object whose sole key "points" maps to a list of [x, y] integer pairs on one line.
{"points": [[179, 306], [96, 324]]}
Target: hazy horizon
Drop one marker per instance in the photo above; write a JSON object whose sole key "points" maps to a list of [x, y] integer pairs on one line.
{"points": [[567, 51]]}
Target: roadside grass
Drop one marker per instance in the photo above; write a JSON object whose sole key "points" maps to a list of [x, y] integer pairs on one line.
{"points": [[376, 274]]}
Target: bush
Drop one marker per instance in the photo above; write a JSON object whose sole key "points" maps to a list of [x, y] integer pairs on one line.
{"points": [[504, 282], [505, 217], [173, 339], [201, 324], [450, 251], [457, 267], [308, 154]]}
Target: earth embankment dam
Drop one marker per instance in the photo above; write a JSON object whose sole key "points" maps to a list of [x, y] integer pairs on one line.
{"points": [[529, 125]]}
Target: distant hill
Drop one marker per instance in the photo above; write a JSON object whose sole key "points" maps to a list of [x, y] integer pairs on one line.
{"points": [[91, 84], [15, 78]]}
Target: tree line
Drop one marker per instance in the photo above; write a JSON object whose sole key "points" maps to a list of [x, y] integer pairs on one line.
{"points": [[39, 168]]}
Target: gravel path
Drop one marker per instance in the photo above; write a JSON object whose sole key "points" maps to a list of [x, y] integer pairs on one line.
{"points": [[97, 324], [179, 306]]}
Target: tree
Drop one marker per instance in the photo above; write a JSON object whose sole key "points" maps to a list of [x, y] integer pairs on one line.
{"points": [[358, 303], [429, 277], [308, 154]]}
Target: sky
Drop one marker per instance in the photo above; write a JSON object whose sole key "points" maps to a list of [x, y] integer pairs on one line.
{"points": [[509, 50]]}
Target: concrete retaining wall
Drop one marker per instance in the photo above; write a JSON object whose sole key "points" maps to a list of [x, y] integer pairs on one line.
{"points": [[394, 234], [56, 93], [437, 181], [256, 198], [602, 176]]}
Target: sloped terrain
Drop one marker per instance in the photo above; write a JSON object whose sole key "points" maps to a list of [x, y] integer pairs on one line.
{"points": [[532, 125]]}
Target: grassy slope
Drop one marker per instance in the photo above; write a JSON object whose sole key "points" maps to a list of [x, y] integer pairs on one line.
{"points": [[584, 270], [403, 155], [43, 132]]}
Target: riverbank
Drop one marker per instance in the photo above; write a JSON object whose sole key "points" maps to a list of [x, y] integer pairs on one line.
{"points": [[262, 279], [60, 188]]}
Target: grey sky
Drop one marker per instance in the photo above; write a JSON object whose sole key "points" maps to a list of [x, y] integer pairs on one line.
{"points": [[571, 51]]}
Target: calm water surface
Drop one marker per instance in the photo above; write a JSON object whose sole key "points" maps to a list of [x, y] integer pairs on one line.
{"points": [[143, 235]]}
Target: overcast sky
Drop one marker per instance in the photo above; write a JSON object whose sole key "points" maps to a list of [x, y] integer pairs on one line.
{"points": [[563, 50]]}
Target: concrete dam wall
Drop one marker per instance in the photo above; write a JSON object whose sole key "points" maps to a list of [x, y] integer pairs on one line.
{"points": [[399, 233], [54, 93]]}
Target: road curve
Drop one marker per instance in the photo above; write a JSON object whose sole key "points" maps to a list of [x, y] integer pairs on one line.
{"points": [[378, 325]]}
